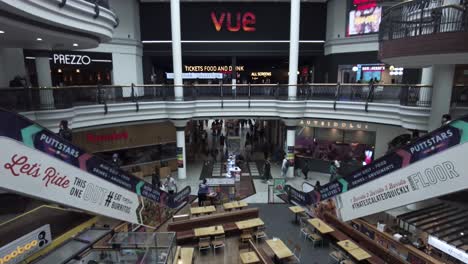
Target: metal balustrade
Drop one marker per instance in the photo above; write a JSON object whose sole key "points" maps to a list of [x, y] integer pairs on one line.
{"points": [[423, 17], [28, 99]]}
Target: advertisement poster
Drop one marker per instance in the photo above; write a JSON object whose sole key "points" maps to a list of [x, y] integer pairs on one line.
{"points": [[23, 247], [180, 157], [278, 185], [435, 142], [36, 137], [297, 196], [366, 21], [28, 171], [436, 176]]}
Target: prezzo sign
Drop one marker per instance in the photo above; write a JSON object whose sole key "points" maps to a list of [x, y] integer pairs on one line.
{"points": [[435, 176], [448, 249], [18, 250], [71, 59], [234, 22], [29, 171]]}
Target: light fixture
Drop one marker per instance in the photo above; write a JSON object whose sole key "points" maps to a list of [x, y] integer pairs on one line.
{"points": [[1, 31], [462, 234], [77, 70], [39, 39], [59, 70], [75, 44], [355, 69]]}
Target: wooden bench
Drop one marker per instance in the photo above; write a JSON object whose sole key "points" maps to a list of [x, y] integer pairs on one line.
{"points": [[262, 255], [184, 228]]}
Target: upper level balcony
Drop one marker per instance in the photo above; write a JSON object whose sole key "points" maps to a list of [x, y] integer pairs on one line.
{"points": [[84, 106], [419, 33], [56, 24]]}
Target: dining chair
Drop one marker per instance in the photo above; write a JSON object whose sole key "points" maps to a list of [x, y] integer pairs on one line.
{"points": [[204, 243], [246, 235], [218, 242], [260, 233], [316, 239]]}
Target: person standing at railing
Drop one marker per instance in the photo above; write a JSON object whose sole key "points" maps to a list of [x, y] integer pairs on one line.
{"points": [[64, 131]]}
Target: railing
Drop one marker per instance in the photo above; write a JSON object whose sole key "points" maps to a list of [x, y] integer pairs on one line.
{"points": [[423, 17], [27, 99], [97, 5], [460, 95]]}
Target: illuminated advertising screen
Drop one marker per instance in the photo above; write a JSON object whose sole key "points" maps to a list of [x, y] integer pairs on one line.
{"points": [[364, 18]]}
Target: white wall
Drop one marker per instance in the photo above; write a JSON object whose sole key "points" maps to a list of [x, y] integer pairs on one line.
{"points": [[336, 40], [11, 65], [125, 46]]}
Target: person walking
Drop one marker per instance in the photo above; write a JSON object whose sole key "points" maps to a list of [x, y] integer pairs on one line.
{"points": [[284, 167], [334, 166], [267, 171], [203, 191], [305, 168]]}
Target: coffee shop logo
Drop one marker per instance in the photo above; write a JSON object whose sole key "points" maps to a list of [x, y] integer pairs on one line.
{"points": [[234, 22]]}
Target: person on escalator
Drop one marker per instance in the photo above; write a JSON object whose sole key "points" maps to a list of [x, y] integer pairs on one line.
{"points": [[267, 170], [64, 131], [305, 168]]}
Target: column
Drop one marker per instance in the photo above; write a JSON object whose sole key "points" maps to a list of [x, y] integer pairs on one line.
{"points": [[294, 48], [441, 93], [425, 93], [44, 79], [291, 125], [176, 50], [180, 152]]}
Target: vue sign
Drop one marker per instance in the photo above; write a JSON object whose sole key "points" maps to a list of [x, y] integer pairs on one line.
{"points": [[234, 22]]}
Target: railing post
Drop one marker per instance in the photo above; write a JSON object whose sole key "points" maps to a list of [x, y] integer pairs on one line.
{"points": [[222, 102], [249, 95], [370, 96], [337, 95], [133, 92]]}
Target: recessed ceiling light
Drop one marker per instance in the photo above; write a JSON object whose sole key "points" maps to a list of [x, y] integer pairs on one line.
{"points": [[39, 39], [75, 44], [59, 70], [77, 70], [1, 31]]}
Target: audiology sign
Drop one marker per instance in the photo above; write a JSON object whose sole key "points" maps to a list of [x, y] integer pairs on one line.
{"points": [[432, 177], [30, 172], [19, 249]]}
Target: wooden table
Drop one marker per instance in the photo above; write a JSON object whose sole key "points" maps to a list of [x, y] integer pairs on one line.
{"points": [[251, 223], [234, 205], [347, 245], [279, 248], [202, 210], [209, 231], [249, 258], [321, 226], [186, 255], [296, 210], [359, 254]]}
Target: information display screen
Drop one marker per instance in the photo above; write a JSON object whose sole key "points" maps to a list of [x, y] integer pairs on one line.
{"points": [[363, 18]]}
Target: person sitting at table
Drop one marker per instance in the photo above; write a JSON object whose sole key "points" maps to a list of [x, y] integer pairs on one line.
{"points": [[203, 191]]}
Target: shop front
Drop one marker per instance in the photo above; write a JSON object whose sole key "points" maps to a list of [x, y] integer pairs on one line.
{"points": [[320, 142], [248, 42], [143, 149], [72, 68]]}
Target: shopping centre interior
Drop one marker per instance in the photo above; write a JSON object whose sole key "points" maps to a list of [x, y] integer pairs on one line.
{"points": [[203, 131]]}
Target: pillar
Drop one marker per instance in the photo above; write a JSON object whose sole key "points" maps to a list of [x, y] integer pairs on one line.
{"points": [[180, 142], [443, 76], [425, 93], [176, 50], [44, 79], [291, 125], [294, 48]]}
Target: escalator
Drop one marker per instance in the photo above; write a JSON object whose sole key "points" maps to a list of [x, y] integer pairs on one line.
{"points": [[431, 166], [37, 168]]}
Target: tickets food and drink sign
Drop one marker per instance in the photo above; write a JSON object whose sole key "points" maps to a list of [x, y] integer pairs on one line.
{"points": [[23, 247]]}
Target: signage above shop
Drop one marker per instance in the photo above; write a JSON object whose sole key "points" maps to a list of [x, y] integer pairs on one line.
{"points": [[212, 68], [373, 68], [196, 75], [260, 74], [335, 124], [232, 22], [92, 138], [71, 59], [21, 248]]}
